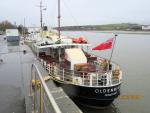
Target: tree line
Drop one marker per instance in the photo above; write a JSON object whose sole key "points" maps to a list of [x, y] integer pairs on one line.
{"points": [[8, 25]]}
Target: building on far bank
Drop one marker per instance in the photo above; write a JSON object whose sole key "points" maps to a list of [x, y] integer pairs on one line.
{"points": [[146, 27]]}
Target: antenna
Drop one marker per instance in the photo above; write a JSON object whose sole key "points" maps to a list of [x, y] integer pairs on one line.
{"points": [[59, 18]]}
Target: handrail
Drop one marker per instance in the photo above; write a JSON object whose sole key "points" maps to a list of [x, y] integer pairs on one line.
{"points": [[93, 78], [70, 76], [50, 96]]}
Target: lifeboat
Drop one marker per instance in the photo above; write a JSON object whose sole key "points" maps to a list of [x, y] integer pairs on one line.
{"points": [[80, 40]]}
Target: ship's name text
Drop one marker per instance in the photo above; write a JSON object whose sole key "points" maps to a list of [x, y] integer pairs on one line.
{"points": [[107, 90]]}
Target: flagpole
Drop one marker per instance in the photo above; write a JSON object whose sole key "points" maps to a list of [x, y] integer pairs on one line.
{"points": [[112, 49]]}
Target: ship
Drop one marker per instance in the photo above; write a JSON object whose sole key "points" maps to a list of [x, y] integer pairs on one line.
{"points": [[85, 77], [91, 79]]}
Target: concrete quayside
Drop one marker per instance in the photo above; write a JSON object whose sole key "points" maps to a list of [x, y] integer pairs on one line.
{"points": [[16, 68]]}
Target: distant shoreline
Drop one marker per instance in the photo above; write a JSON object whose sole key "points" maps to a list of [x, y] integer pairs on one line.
{"points": [[113, 31], [125, 32]]}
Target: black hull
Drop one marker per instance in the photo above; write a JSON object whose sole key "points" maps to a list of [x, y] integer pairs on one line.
{"points": [[91, 96]]}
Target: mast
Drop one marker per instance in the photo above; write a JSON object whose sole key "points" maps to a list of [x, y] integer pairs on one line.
{"points": [[41, 13], [41, 18], [59, 25], [59, 18]]}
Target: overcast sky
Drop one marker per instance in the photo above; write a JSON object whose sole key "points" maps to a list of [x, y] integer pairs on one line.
{"points": [[76, 12]]}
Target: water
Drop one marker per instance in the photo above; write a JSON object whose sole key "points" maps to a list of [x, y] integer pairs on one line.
{"points": [[132, 52]]}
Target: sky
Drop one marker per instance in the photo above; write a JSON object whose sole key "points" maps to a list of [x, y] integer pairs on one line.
{"points": [[76, 12]]}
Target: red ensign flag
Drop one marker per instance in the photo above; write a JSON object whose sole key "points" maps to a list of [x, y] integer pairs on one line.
{"points": [[104, 45]]}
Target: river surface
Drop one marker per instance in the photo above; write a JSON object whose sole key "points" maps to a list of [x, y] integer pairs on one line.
{"points": [[132, 52]]}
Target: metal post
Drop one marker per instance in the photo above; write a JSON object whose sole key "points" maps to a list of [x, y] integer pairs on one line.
{"points": [[49, 68], [59, 54], [35, 94], [31, 91], [73, 76], [50, 72], [41, 99], [91, 80], [63, 74], [83, 78], [113, 47], [97, 78]]}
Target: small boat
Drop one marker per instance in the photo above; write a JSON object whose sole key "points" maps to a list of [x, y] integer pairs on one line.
{"points": [[85, 77]]}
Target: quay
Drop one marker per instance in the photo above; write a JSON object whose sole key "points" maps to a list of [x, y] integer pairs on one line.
{"points": [[16, 94]]}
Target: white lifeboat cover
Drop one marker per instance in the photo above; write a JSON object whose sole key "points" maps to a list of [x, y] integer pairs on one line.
{"points": [[75, 56]]}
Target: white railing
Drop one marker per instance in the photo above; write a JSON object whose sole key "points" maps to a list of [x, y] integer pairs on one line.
{"points": [[95, 79], [42, 97]]}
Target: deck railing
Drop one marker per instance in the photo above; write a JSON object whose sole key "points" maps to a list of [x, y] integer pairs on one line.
{"points": [[43, 101], [96, 79]]}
